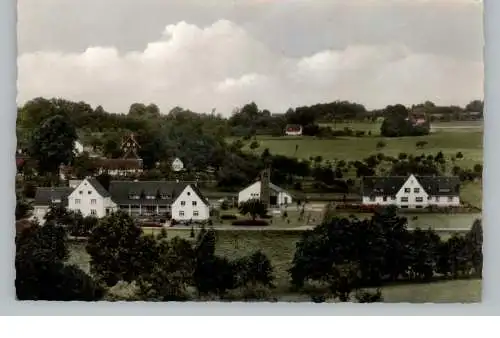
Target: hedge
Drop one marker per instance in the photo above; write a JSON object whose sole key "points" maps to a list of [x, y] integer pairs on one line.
{"points": [[250, 222], [228, 217]]}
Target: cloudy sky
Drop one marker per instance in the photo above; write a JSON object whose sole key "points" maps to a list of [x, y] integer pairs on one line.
{"points": [[204, 54]]}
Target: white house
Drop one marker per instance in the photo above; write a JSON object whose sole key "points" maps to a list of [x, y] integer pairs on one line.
{"points": [[182, 200], [91, 199], [47, 196], [293, 130], [411, 192], [277, 196], [190, 205]]}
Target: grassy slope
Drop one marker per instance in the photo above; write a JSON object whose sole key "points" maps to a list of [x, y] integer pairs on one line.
{"points": [[279, 246]]}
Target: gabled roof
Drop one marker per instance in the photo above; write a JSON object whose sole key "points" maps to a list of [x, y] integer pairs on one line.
{"points": [[382, 186], [46, 195], [390, 185], [98, 187], [199, 193], [121, 191]]}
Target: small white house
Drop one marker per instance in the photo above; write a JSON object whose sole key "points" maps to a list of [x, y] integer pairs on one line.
{"points": [[278, 196], [46, 197], [293, 130], [91, 199], [411, 192], [190, 205]]}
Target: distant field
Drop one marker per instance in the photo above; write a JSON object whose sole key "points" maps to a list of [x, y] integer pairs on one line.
{"points": [[279, 246], [470, 144]]}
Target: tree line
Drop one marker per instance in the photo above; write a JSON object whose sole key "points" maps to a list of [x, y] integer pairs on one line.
{"points": [[345, 257]]}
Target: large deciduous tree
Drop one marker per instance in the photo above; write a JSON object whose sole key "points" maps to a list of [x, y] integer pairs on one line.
{"points": [[114, 246], [42, 272], [52, 143]]}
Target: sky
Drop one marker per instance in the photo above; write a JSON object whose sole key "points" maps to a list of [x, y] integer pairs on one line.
{"points": [[221, 54]]}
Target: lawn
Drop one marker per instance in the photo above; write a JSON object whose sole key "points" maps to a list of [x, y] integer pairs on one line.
{"points": [[470, 144]]}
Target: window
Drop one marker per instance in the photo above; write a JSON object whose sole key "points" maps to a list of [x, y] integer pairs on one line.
{"points": [[419, 199], [93, 201], [77, 201], [183, 203], [80, 192], [194, 203], [437, 198], [372, 198], [450, 198], [93, 212], [416, 190], [404, 199], [195, 213], [393, 198], [89, 192], [407, 190], [181, 213], [385, 198], [149, 197], [188, 193]]}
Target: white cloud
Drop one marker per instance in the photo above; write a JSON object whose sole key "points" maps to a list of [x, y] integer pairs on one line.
{"points": [[223, 66]]}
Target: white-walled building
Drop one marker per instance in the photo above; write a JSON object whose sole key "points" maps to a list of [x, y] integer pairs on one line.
{"points": [[182, 200], [411, 192], [190, 205], [91, 199], [277, 195], [47, 196], [293, 130]]}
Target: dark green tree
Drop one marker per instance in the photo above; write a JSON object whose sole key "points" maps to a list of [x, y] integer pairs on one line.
{"points": [[253, 207], [52, 144]]}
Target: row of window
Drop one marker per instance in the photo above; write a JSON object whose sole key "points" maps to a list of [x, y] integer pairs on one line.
{"points": [[195, 213], [417, 199], [415, 190], [79, 201], [194, 203]]}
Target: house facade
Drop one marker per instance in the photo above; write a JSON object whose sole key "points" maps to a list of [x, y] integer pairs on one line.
{"points": [[293, 130], [46, 197], [411, 192], [91, 199], [181, 200], [277, 196]]}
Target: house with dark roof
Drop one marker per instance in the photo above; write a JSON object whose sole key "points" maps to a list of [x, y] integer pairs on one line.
{"points": [[48, 196], [293, 130], [91, 199], [413, 192], [182, 200]]}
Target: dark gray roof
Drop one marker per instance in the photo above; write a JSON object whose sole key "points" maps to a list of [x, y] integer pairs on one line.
{"points": [[390, 185], [382, 186], [98, 187], [47, 195], [121, 191], [441, 185]]}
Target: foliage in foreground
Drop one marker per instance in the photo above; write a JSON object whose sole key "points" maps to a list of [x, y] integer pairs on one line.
{"points": [[347, 255], [41, 269]]}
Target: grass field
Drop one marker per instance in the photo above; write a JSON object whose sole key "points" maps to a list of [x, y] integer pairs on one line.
{"points": [[470, 144], [279, 246]]}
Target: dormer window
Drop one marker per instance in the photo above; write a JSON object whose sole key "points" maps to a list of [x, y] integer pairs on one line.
{"points": [[56, 200], [150, 197], [164, 196], [133, 196]]}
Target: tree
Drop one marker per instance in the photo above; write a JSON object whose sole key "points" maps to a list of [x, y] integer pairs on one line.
{"points": [[115, 246], [254, 269], [380, 144], [52, 144], [172, 272], [474, 242], [254, 207], [42, 272], [23, 209]]}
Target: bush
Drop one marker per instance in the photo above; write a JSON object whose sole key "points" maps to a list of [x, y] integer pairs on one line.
{"points": [[250, 222], [228, 217]]}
